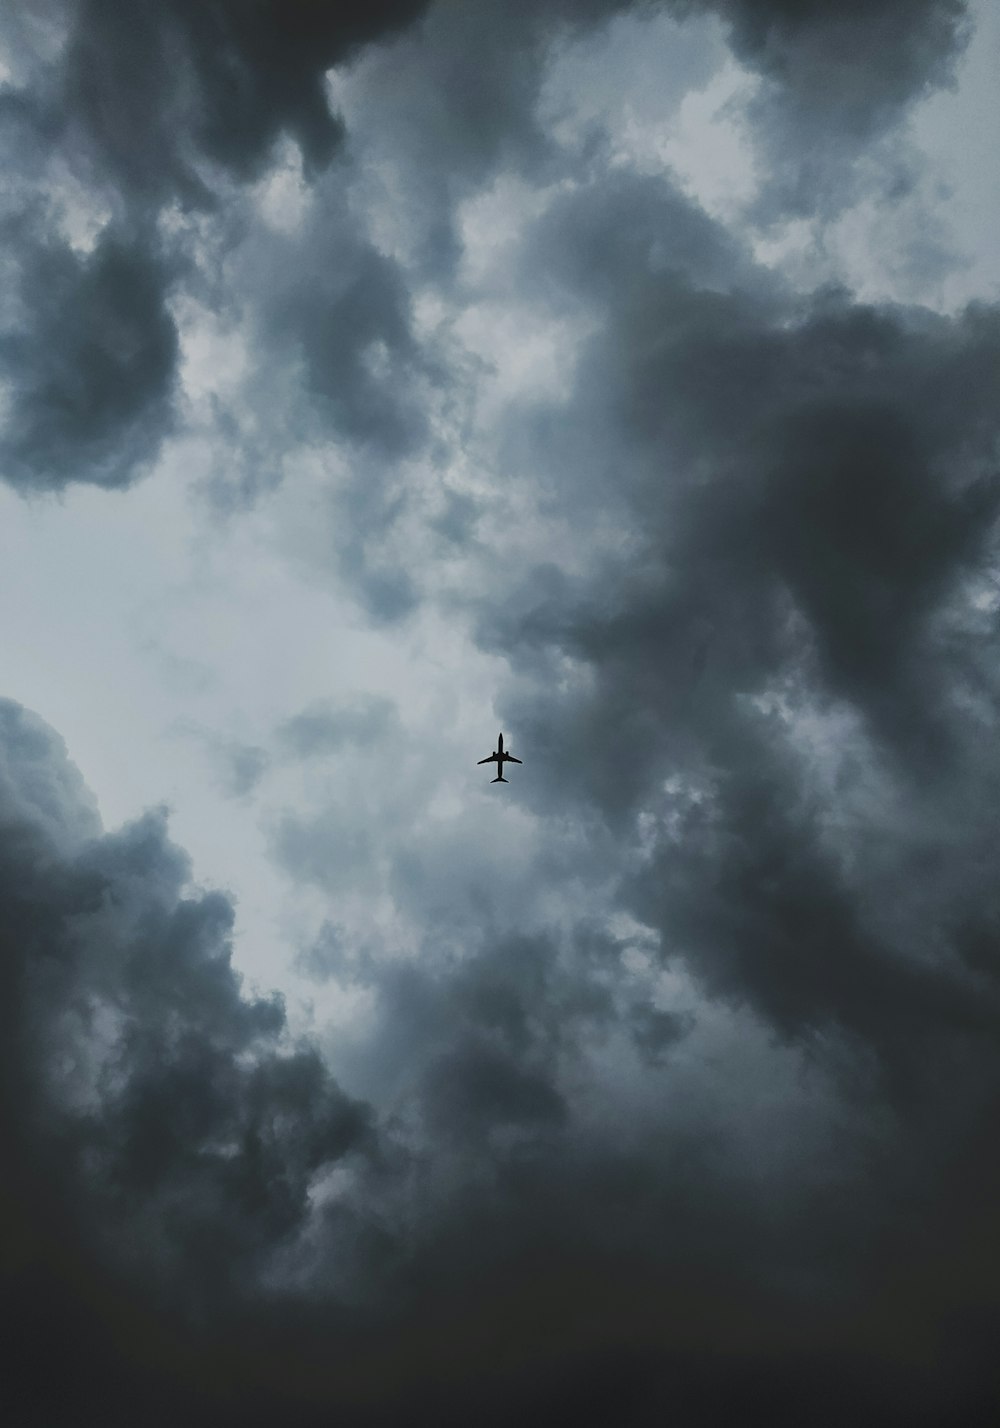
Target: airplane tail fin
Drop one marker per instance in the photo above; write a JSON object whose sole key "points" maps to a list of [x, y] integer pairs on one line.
{"points": [[501, 779]]}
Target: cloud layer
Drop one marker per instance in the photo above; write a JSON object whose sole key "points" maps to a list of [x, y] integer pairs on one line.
{"points": [[666, 1086]]}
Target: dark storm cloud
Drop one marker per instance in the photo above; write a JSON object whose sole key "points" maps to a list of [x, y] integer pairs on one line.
{"points": [[805, 485], [487, 1001], [579, 1202], [808, 486], [88, 353], [767, 914], [837, 76], [135, 109], [871, 57], [133, 106], [550, 1223], [177, 81], [788, 460], [165, 1146], [181, 1138], [473, 1088], [349, 321]]}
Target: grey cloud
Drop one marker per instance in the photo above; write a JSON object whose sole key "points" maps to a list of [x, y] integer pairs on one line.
{"points": [[339, 847], [334, 849], [329, 726], [182, 81], [350, 321], [807, 483], [89, 350], [656, 1032], [458, 93], [604, 240], [837, 77], [580, 1196], [337, 368], [185, 1141], [451, 104], [134, 109], [387, 592], [472, 1089], [800, 41], [810, 459], [41, 788], [807, 486], [182, 1134], [765, 913], [475, 996], [195, 1142], [243, 767], [237, 767]]}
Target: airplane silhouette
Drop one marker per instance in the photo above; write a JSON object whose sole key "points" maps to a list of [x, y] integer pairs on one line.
{"points": [[500, 758]]}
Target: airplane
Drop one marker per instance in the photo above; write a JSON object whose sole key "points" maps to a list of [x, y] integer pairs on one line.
{"points": [[500, 758]]}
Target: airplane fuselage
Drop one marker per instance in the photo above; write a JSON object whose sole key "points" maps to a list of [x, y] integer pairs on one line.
{"points": [[500, 758]]}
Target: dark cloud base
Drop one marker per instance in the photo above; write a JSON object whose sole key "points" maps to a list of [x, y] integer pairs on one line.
{"points": [[577, 1281], [91, 373], [555, 1342]]}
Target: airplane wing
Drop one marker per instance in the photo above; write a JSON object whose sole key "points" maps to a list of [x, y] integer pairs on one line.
{"points": [[491, 760], [512, 759]]}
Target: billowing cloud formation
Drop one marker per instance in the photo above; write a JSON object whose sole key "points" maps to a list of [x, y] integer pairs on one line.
{"points": [[810, 496], [857, 61], [135, 112], [825, 463], [155, 112], [90, 365], [835, 78], [176, 1132], [668, 1083], [201, 1159], [183, 82]]}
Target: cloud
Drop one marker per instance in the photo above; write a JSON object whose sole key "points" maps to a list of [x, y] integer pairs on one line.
{"points": [[831, 81], [811, 479], [837, 77], [176, 108], [239, 767], [182, 1135], [170, 1146], [183, 82], [136, 121], [345, 313], [801, 41], [649, 1086], [327, 727], [805, 491], [41, 787], [89, 356]]}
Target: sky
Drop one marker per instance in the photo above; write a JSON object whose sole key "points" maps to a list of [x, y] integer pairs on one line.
{"points": [[626, 377]]}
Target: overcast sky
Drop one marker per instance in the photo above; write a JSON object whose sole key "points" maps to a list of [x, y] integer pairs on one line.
{"points": [[622, 376]]}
